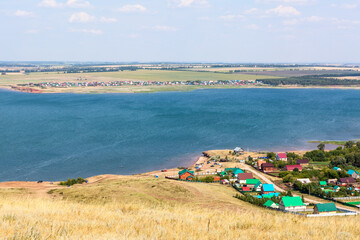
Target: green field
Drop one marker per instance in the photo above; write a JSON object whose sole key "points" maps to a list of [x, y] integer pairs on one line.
{"points": [[141, 75]]}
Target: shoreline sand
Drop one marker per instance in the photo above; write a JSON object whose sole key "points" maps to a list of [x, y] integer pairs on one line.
{"points": [[95, 90]]}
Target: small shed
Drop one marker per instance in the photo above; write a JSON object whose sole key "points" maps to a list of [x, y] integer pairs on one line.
{"points": [[271, 204], [304, 180], [322, 208]]}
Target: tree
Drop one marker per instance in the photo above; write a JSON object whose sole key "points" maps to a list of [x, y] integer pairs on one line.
{"points": [[358, 144], [349, 144], [289, 193], [321, 146], [296, 170], [338, 161], [271, 155]]}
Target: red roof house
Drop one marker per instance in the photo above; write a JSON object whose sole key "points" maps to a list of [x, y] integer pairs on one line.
{"points": [[346, 181], [292, 167], [243, 176], [246, 189], [303, 162], [267, 167], [281, 157]]}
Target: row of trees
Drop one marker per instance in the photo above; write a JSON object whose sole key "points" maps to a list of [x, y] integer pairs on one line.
{"points": [[314, 174], [315, 189], [313, 80]]}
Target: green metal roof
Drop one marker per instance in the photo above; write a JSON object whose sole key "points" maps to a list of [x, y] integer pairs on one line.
{"points": [[322, 183], [234, 170], [252, 181], [184, 171], [292, 201], [258, 184], [269, 203], [326, 207]]}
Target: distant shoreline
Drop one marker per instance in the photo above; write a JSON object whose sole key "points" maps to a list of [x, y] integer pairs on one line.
{"points": [[96, 90]]}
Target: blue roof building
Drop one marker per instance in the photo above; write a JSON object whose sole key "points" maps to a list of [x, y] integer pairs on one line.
{"points": [[267, 188]]}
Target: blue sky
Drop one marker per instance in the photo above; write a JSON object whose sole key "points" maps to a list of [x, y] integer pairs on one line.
{"points": [[181, 30]]}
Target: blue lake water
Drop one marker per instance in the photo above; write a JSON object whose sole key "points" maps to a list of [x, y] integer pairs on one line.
{"points": [[57, 136]]}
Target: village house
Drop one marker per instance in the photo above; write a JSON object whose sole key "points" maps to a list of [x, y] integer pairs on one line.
{"points": [[238, 150], [257, 187], [331, 181], [267, 188], [322, 208], [235, 171], [243, 176], [259, 163], [267, 167], [303, 162], [186, 175], [253, 184], [304, 180], [224, 181], [293, 204], [281, 157], [353, 173], [323, 183], [337, 168], [292, 167], [346, 181], [336, 188], [271, 204]]}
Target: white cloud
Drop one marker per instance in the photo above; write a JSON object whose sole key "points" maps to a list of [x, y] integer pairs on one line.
{"points": [[314, 19], [231, 17], [190, 3], [204, 18], [91, 31], [165, 28], [132, 8], [22, 13], [252, 27], [349, 6], [251, 11], [284, 11], [78, 4], [291, 22], [50, 3], [133, 35], [69, 3], [32, 31], [108, 20], [81, 17]]}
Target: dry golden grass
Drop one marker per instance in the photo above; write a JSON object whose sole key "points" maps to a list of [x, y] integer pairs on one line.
{"points": [[149, 208]]}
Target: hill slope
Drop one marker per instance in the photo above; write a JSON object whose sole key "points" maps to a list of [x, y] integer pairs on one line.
{"points": [[141, 207]]}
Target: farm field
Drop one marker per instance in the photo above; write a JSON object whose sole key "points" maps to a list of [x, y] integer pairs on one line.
{"points": [[153, 208], [140, 75]]}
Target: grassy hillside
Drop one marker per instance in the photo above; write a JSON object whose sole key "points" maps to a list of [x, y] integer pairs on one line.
{"points": [[149, 208]]}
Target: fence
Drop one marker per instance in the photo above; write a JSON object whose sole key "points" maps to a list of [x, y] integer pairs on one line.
{"points": [[332, 214], [346, 198]]}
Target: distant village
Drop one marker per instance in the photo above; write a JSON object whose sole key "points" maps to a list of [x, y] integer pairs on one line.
{"points": [[81, 83], [278, 182]]}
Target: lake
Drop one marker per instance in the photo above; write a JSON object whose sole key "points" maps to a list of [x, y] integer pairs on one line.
{"points": [[60, 136]]}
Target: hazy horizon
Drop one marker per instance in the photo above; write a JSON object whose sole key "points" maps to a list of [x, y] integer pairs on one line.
{"points": [[181, 31]]}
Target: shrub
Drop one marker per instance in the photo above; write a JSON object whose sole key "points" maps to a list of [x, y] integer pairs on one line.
{"points": [[73, 181]]}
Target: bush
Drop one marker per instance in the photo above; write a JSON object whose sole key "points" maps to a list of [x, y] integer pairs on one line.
{"points": [[73, 181]]}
